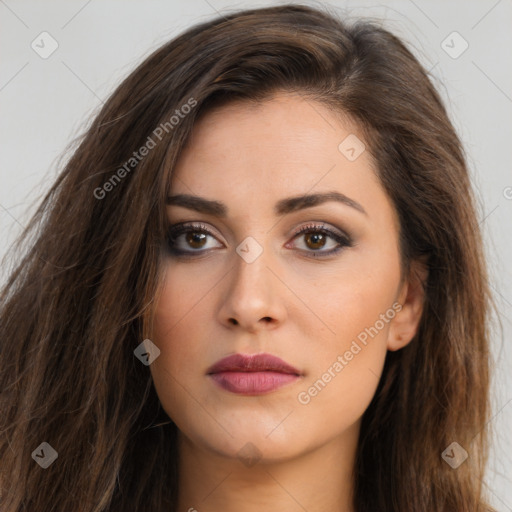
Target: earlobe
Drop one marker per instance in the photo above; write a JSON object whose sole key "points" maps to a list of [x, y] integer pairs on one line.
{"points": [[411, 297]]}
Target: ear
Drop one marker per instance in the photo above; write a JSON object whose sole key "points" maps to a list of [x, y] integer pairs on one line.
{"points": [[411, 297]]}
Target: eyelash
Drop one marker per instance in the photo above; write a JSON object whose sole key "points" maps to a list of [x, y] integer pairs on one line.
{"points": [[179, 229]]}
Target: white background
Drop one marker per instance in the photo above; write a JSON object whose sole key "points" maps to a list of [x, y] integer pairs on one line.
{"points": [[45, 103]]}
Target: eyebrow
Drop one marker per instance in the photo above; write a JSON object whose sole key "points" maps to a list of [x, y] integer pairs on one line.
{"points": [[282, 207]]}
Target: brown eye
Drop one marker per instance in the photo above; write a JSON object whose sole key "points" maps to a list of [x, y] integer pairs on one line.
{"points": [[316, 238], [192, 240], [195, 239], [188, 239]]}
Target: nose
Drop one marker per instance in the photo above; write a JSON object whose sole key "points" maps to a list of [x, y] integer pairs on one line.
{"points": [[254, 295]]}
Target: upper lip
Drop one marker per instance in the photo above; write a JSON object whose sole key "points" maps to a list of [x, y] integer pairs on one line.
{"points": [[252, 363]]}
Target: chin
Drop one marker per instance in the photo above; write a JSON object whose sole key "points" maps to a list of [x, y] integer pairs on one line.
{"points": [[251, 444]]}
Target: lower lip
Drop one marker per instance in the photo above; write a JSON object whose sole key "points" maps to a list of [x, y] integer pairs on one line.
{"points": [[252, 383]]}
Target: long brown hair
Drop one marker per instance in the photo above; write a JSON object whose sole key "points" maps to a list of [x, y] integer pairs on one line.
{"points": [[79, 301]]}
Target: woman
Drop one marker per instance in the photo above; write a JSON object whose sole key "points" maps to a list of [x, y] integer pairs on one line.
{"points": [[258, 284]]}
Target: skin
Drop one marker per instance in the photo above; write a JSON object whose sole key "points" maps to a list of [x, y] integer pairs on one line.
{"points": [[305, 310]]}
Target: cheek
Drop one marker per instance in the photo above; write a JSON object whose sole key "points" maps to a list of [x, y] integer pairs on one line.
{"points": [[180, 322], [345, 365], [180, 310], [342, 381], [348, 300]]}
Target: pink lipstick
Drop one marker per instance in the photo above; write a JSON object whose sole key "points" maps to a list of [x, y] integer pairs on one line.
{"points": [[252, 374]]}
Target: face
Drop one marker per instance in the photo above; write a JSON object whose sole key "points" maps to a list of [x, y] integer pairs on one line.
{"points": [[243, 279]]}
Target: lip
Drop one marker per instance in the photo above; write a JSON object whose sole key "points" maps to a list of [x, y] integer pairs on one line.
{"points": [[252, 374]]}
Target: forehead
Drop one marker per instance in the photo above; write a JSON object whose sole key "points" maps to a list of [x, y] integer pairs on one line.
{"points": [[251, 154]]}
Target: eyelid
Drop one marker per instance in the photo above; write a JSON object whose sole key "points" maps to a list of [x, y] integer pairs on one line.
{"points": [[320, 226], [184, 227], [338, 235]]}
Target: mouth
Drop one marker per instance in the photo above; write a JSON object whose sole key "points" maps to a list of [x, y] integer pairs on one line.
{"points": [[252, 374]]}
